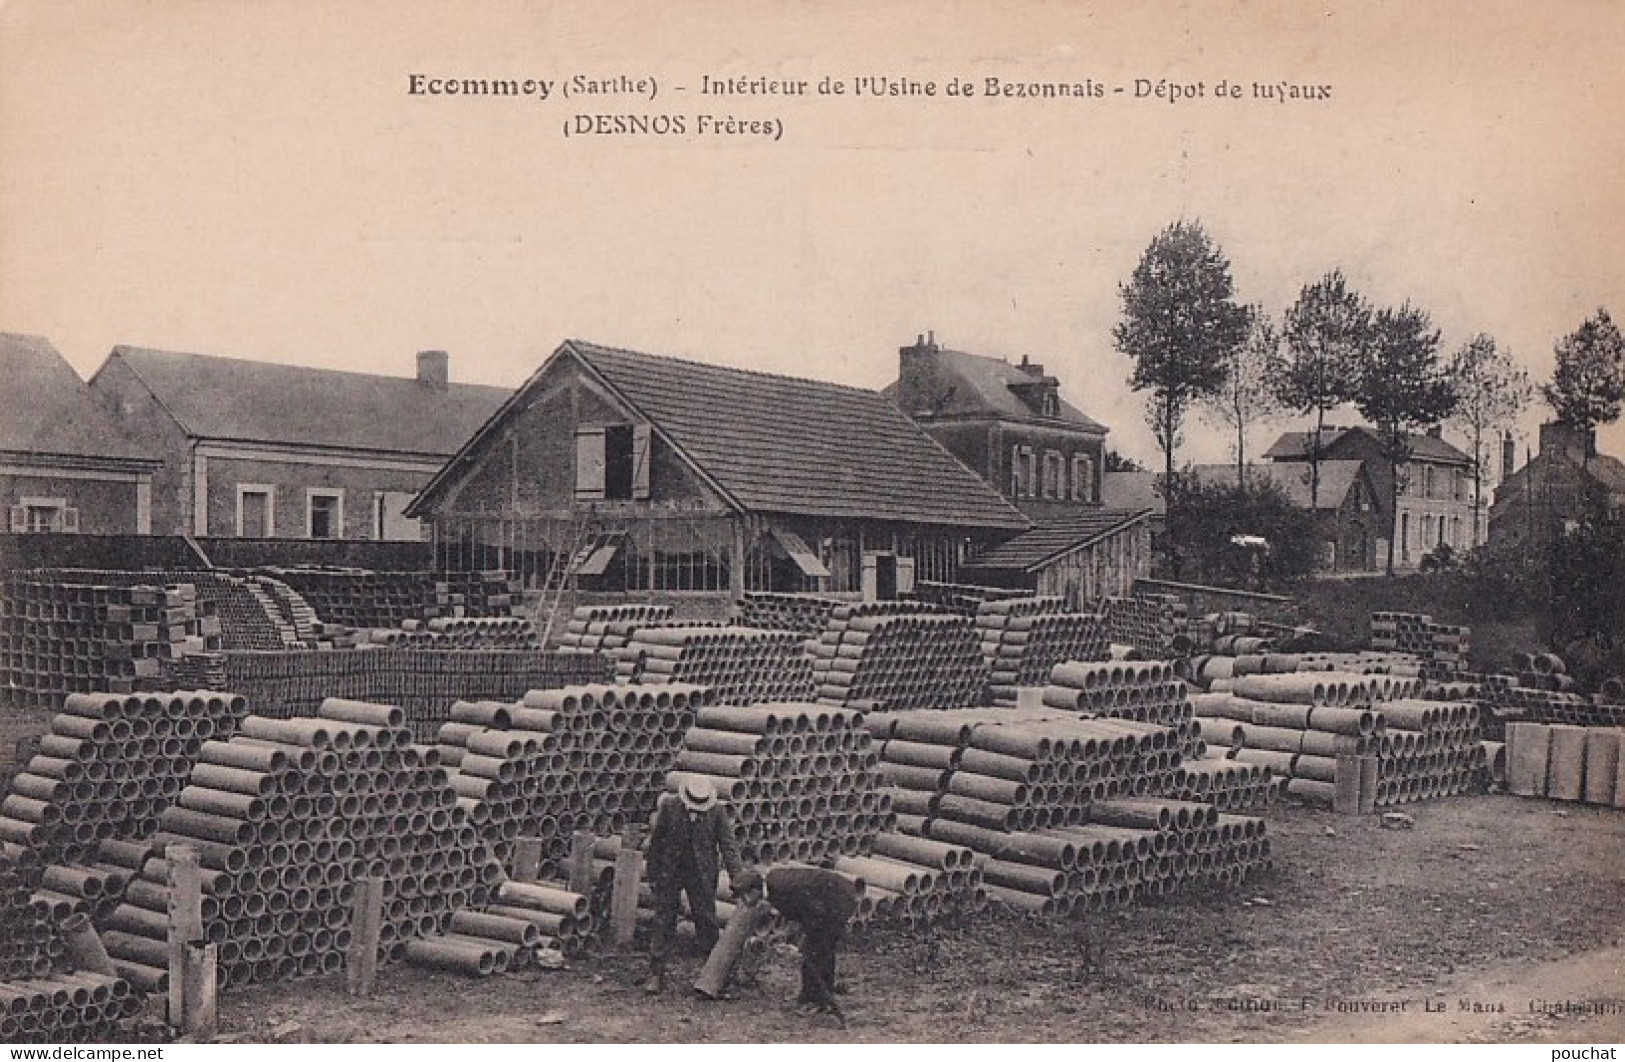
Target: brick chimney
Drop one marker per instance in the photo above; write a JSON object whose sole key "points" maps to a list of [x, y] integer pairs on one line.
{"points": [[434, 369], [1509, 456], [1567, 441]]}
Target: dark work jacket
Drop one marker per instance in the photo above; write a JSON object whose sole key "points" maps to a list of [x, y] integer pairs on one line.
{"points": [[702, 839], [814, 897]]}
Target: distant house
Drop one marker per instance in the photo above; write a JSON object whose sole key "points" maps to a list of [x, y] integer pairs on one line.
{"points": [[1551, 490], [1435, 506], [257, 450], [1347, 509], [1010, 424], [65, 465], [623, 472]]}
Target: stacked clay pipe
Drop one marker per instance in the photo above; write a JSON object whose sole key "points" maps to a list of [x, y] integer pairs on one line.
{"points": [[1143, 690], [109, 766], [579, 758], [742, 665], [803, 779], [1024, 638], [286, 816], [802, 614], [869, 658], [1155, 624], [608, 627]]}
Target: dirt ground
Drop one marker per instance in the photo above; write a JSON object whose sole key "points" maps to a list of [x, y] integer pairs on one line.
{"points": [[1470, 927]]}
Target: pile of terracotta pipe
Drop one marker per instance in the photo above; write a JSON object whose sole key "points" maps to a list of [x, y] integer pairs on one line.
{"points": [[1024, 638], [1227, 783], [1564, 762], [915, 880], [803, 614], [28, 941], [286, 817], [485, 632], [742, 665], [1146, 691], [1361, 736], [609, 627], [589, 758], [1217, 673], [1155, 624], [78, 1007], [519, 921], [867, 658], [803, 779], [1019, 769], [1441, 648], [109, 766]]}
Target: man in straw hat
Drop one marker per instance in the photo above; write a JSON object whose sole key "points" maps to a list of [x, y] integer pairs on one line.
{"points": [[690, 832]]}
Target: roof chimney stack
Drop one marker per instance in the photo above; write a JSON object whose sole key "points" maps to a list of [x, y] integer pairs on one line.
{"points": [[434, 369], [1509, 456]]}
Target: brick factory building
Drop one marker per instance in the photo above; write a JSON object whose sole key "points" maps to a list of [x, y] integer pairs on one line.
{"points": [[1010, 424], [65, 465], [634, 473], [258, 450]]}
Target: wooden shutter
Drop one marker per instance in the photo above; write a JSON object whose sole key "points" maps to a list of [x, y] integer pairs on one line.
{"points": [[871, 577], [19, 519], [905, 575], [640, 461], [590, 463]]}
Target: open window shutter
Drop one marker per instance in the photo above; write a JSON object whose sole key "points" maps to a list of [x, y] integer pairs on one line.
{"points": [[70, 521], [590, 464], [19, 519], [640, 461], [905, 575], [871, 577]]}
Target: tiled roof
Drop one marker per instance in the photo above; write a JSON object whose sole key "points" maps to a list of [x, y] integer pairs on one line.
{"points": [[1337, 478], [1294, 445], [778, 444], [1057, 537], [46, 409], [256, 401], [973, 384]]}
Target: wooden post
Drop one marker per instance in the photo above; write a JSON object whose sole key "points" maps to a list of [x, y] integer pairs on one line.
{"points": [[366, 923], [623, 904], [581, 863], [527, 859], [200, 1012], [185, 922]]}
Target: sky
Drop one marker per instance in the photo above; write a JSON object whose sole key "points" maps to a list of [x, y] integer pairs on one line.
{"points": [[257, 179]]}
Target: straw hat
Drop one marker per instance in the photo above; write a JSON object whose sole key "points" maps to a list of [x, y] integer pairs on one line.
{"points": [[697, 794]]}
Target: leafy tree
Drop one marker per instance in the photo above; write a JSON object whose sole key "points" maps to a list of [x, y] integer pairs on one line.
{"points": [[1586, 615], [1588, 385], [1248, 393], [1215, 515], [1492, 391], [1325, 332], [1180, 324], [1402, 388]]}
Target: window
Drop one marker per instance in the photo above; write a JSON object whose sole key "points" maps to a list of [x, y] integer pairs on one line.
{"points": [[1405, 535], [1427, 481], [1049, 405], [256, 510], [1461, 485], [1023, 472], [324, 513], [43, 516], [1455, 531], [1427, 531], [1015, 472], [1054, 474], [613, 462], [1441, 530], [1083, 478]]}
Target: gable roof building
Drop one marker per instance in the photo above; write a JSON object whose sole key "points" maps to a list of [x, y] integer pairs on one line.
{"points": [[65, 465], [1555, 487], [761, 481], [256, 449]]}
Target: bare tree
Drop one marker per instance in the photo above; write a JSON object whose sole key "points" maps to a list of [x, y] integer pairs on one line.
{"points": [[1248, 394], [1492, 392], [1326, 331]]}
